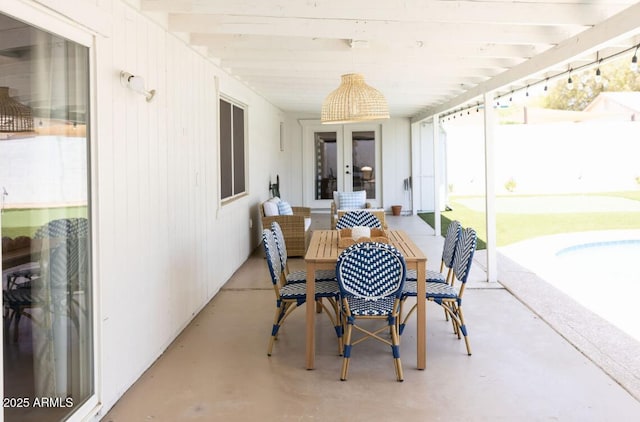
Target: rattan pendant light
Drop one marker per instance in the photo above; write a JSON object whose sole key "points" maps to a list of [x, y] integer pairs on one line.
{"points": [[14, 117], [354, 101]]}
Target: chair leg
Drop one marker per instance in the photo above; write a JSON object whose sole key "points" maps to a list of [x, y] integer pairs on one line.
{"points": [[16, 325], [8, 319], [455, 319], [395, 349], [346, 353], [403, 320], [463, 328], [281, 314], [338, 326], [335, 317]]}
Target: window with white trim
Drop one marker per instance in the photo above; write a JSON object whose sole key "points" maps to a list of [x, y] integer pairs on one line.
{"points": [[232, 149]]}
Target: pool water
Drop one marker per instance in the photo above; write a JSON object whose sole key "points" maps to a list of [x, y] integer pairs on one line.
{"points": [[604, 277]]}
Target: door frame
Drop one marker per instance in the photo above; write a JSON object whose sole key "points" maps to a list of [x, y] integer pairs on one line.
{"points": [[344, 181], [54, 23]]}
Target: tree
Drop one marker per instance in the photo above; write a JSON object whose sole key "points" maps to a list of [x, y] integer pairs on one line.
{"points": [[616, 76]]}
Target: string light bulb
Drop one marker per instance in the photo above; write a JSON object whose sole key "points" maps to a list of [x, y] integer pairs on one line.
{"points": [[634, 60], [569, 83], [598, 77]]}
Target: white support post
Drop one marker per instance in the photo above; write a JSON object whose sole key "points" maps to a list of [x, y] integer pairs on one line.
{"points": [[437, 180], [417, 167], [490, 194]]}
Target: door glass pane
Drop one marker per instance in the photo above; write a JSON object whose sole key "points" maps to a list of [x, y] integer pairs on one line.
{"points": [[363, 156], [44, 188], [326, 164]]}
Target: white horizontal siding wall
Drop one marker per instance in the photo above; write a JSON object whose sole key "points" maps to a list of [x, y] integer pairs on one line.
{"points": [[164, 246], [396, 162]]}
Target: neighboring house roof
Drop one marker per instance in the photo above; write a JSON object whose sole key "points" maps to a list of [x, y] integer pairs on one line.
{"points": [[616, 101]]}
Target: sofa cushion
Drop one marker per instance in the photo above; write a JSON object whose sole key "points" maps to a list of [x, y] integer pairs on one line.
{"points": [[351, 200], [284, 208], [270, 208], [307, 223]]}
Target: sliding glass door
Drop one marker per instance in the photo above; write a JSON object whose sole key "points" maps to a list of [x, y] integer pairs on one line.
{"points": [[45, 224]]}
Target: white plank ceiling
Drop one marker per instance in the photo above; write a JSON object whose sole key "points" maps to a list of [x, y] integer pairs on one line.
{"points": [[425, 56]]}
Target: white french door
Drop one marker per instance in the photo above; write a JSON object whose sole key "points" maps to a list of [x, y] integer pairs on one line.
{"points": [[340, 158]]}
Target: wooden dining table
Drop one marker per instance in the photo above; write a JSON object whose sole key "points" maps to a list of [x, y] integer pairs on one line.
{"points": [[323, 254]]}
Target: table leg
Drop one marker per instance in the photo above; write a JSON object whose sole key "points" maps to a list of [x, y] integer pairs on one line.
{"points": [[421, 316], [311, 320]]}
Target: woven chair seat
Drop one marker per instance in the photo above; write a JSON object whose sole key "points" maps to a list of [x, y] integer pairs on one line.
{"points": [[432, 276], [362, 307], [299, 290], [434, 290], [301, 276]]}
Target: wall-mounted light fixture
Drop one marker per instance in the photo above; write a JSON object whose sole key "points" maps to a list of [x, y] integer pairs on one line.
{"points": [[136, 83]]}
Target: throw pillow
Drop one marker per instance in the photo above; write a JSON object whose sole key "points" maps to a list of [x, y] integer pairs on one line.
{"points": [[352, 200], [284, 208], [270, 208]]}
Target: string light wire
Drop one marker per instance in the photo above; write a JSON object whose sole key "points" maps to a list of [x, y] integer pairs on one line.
{"points": [[510, 91]]}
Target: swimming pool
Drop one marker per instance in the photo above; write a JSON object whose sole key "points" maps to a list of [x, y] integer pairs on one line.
{"points": [[591, 272]]}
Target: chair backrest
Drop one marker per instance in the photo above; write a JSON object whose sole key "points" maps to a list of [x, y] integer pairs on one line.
{"points": [[280, 243], [358, 218], [464, 254], [450, 242], [67, 256], [371, 271], [64, 227], [271, 254]]}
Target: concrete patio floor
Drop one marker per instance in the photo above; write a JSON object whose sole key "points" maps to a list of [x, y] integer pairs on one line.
{"points": [[525, 366]]}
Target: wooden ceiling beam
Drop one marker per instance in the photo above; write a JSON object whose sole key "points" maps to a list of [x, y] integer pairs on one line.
{"points": [[584, 13]]}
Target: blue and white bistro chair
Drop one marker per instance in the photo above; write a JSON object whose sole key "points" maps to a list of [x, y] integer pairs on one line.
{"points": [[371, 277], [299, 276], [290, 296], [448, 250], [355, 218], [445, 294]]}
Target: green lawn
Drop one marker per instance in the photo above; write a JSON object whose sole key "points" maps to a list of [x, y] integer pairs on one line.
{"points": [[514, 227], [25, 221]]}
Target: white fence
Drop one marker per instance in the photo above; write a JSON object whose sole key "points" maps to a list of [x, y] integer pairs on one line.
{"points": [[551, 158]]}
